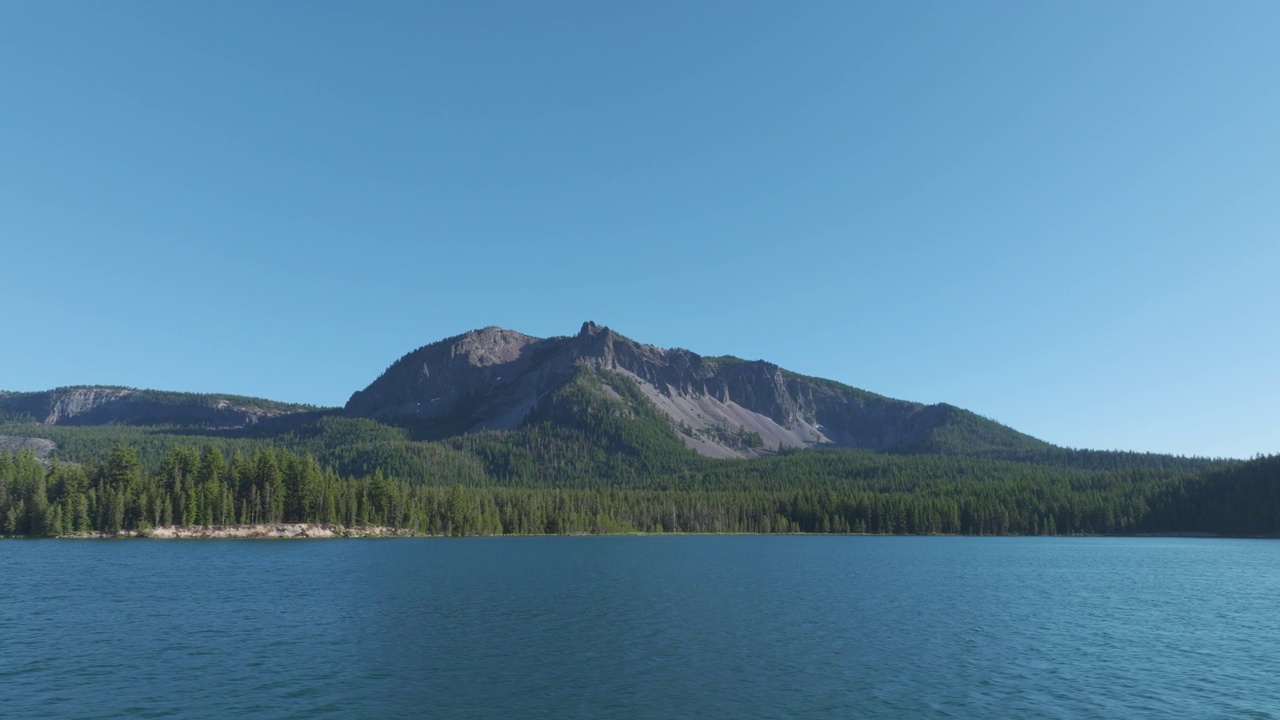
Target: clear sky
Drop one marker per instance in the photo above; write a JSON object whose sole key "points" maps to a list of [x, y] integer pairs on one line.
{"points": [[1061, 215]]}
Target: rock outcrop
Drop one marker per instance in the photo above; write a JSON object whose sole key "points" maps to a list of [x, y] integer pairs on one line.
{"points": [[722, 407], [42, 448]]}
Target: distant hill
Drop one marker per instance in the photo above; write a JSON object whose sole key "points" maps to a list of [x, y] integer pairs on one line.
{"points": [[496, 379], [108, 405]]}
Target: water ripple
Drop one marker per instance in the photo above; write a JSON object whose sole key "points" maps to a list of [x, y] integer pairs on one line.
{"points": [[744, 627]]}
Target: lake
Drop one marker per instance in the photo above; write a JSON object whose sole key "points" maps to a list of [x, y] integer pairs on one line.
{"points": [[649, 627]]}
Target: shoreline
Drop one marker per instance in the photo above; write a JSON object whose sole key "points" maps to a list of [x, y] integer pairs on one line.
{"points": [[264, 531], [306, 531]]}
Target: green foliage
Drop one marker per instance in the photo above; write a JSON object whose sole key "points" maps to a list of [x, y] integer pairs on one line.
{"points": [[599, 459], [959, 432], [739, 439], [1241, 499], [829, 493], [151, 443]]}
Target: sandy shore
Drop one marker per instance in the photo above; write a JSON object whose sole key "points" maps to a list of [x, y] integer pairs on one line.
{"points": [[272, 530]]}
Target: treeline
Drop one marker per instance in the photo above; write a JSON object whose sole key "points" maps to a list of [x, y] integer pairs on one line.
{"points": [[206, 487], [151, 443], [1242, 499], [193, 488]]}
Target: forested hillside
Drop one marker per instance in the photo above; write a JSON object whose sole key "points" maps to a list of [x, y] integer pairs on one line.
{"points": [[863, 494], [549, 479]]}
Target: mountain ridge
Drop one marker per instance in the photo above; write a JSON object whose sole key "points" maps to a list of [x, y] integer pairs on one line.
{"points": [[496, 379], [116, 404]]}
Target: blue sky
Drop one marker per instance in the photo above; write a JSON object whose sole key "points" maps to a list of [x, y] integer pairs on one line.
{"points": [[1061, 215]]}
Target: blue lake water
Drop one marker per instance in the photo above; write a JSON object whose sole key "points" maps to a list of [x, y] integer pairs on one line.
{"points": [[651, 627]]}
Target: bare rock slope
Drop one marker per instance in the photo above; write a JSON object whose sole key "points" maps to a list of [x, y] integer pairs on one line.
{"points": [[42, 448], [721, 407]]}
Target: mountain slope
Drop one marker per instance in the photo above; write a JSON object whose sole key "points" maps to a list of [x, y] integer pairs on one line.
{"points": [[108, 405], [494, 379]]}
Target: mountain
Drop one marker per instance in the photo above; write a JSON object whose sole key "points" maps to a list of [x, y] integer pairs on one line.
{"points": [[106, 405], [497, 379], [494, 431]]}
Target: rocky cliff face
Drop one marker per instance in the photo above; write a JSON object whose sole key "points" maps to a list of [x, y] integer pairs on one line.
{"points": [[721, 407], [96, 405], [449, 377]]}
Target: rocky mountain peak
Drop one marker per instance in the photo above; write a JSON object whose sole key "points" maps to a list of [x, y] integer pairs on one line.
{"points": [[725, 407], [489, 346]]}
